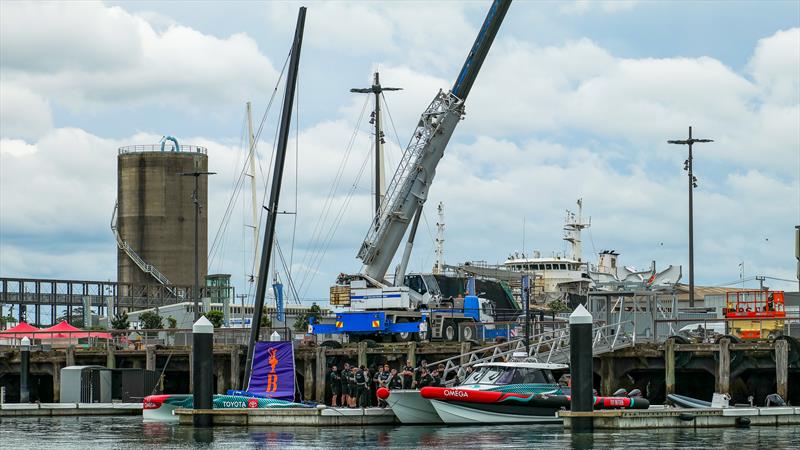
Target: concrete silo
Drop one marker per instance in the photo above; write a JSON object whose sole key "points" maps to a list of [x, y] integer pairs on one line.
{"points": [[155, 216]]}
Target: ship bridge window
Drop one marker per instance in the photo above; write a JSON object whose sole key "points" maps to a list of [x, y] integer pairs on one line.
{"points": [[548, 267], [563, 266]]}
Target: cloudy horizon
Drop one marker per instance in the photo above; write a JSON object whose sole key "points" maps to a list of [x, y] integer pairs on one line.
{"points": [[575, 100]]}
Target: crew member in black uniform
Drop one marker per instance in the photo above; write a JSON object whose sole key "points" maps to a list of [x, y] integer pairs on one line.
{"points": [[395, 380], [352, 384], [425, 379], [383, 381], [408, 375], [361, 386], [335, 385]]}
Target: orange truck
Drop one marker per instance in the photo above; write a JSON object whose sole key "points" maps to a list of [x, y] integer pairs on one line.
{"points": [[756, 314]]}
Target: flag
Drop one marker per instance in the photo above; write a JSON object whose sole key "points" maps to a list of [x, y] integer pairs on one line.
{"points": [[273, 370]]}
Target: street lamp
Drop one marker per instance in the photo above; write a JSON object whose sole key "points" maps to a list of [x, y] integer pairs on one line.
{"points": [[687, 166], [196, 201]]}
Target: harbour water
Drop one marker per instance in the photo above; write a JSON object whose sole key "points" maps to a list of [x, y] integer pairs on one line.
{"points": [[87, 433]]}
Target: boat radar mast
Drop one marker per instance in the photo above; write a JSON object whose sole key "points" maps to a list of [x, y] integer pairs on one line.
{"points": [[573, 224]]}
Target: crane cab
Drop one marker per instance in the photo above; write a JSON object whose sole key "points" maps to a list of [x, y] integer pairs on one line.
{"points": [[756, 314]]}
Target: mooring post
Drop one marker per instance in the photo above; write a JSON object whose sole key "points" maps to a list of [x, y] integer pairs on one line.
{"points": [[308, 378], [24, 369], [782, 367], [580, 358], [321, 366], [669, 366], [203, 368]]}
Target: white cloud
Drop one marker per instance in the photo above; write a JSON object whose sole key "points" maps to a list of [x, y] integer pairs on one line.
{"points": [[23, 114], [579, 7], [122, 59], [775, 65]]}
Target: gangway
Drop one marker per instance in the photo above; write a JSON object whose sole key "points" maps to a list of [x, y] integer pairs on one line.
{"points": [[547, 347], [138, 260]]}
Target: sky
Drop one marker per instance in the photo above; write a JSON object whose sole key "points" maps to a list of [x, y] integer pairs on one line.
{"points": [[575, 100]]}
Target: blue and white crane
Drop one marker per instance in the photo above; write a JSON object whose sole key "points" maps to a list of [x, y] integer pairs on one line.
{"points": [[393, 308]]}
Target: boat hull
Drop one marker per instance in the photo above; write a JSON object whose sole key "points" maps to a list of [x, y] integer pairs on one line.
{"points": [[411, 408], [475, 413]]}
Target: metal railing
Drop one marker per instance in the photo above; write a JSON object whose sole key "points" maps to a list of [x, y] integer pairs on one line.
{"points": [[708, 330], [157, 148], [550, 346], [133, 339], [138, 260]]}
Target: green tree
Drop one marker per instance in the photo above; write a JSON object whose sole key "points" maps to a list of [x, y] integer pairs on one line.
{"points": [[172, 322], [266, 321], [120, 321], [151, 320], [76, 319], [558, 306], [301, 323], [216, 317]]}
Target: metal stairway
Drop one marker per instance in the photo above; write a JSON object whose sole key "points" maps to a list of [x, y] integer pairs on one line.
{"points": [[547, 347], [141, 263]]}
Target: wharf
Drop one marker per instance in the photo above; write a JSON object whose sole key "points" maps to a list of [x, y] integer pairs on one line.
{"points": [[293, 416], [69, 409], [686, 418]]}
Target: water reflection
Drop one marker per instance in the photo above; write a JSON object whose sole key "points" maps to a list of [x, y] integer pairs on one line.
{"points": [[89, 433]]}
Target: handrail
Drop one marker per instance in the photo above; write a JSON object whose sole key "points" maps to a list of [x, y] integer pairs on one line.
{"points": [[138, 260]]}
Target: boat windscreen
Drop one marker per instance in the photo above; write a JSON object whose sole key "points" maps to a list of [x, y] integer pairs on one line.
{"points": [[475, 376]]}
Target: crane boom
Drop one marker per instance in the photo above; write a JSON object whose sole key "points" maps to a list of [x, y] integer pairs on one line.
{"points": [[409, 187]]}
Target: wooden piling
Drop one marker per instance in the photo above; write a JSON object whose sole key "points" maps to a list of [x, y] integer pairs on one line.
{"points": [[782, 367], [70, 355], [150, 357], [308, 379], [412, 353], [56, 382], [465, 348], [111, 357], [607, 376], [362, 353], [724, 367], [669, 366], [235, 368], [321, 366]]}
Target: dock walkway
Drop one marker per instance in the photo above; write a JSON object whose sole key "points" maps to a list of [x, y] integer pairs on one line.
{"points": [[686, 418]]}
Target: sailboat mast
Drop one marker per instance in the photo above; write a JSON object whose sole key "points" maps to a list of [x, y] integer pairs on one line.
{"points": [[253, 192], [277, 178]]}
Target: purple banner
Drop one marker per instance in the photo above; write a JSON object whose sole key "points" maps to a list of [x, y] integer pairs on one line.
{"points": [[273, 370]]}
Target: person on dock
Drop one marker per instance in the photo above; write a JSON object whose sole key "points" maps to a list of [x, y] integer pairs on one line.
{"points": [[334, 385], [382, 381], [345, 377], [352, 386], [423, 364], [425, 378], [361, 377], [408, 375], [396, 381]]}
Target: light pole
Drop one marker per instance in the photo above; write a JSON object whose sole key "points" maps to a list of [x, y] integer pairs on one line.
{"points": [[196, 201], [687, 166]]}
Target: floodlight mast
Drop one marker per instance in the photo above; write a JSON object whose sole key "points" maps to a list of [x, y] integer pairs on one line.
{"points": [[692, 185]]}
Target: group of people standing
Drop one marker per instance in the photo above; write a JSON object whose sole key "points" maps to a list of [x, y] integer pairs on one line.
{"points": [[355, 387]]}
